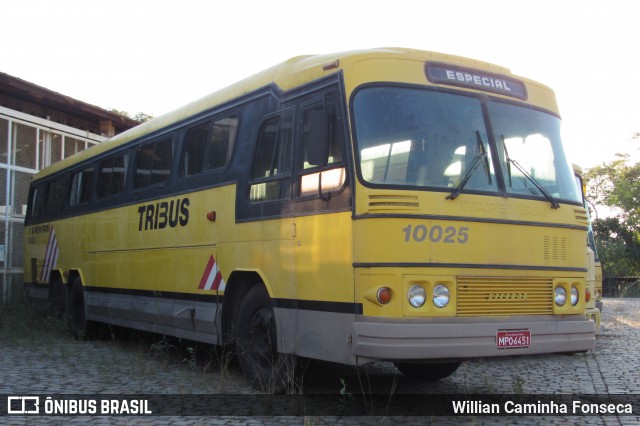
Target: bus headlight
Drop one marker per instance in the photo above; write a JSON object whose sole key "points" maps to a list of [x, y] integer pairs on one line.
{"points": [[417, 296], [560, 296], [440, 296], [575, 296]]}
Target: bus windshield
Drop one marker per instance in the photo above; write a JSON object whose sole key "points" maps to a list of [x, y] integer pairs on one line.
{"points": [[429, 139]]}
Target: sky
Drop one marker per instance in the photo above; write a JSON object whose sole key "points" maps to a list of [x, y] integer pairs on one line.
{"points": [[153, 56]]}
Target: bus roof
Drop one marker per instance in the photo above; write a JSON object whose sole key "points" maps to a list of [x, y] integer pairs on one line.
{"points": [[287, 75]]}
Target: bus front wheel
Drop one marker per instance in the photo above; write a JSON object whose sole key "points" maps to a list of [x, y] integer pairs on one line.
{"points": [[257, 344], [427, 372]]}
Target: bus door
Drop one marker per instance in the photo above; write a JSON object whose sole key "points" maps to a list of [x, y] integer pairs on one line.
{"points": [[265, 237], [323, 243]]}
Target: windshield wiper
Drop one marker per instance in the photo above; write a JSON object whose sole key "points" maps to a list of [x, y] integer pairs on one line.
{"points": [[482, 155], [549, 197]]}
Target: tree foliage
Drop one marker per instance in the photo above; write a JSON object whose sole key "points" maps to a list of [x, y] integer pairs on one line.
{"points": [[140, 117], [616, 186]]}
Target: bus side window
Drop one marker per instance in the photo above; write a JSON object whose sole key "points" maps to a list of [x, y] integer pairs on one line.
{"points": [[81, 184], [195, 145], [209, 145], [37, 201], [56, 195], [111, 176], [327, 178], [153, 163], [271, 173], [223, 136]]}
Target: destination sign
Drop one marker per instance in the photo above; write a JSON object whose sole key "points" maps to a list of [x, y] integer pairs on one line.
{"points": [[473, 79]]}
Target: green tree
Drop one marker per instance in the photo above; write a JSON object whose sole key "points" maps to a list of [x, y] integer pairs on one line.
{"points": [[616, 186], [140, 117]]}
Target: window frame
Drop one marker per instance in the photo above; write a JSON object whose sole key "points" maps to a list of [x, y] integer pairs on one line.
{"points": [[138, 155], [61, 195], [337, 141], [121, 154], [283, 177], [230, 146], [90, 191]]}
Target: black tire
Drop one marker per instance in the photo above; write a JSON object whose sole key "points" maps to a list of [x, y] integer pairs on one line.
{"points": [[427, 372], [78, 324], [58, 299], [257, 344]]}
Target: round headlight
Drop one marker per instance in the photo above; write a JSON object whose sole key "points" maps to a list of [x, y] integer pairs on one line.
{"points": [[440, 296], [560, 296], [575, 296], [417, 296]]}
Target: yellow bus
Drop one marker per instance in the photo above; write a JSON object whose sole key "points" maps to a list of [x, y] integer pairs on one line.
{"points": [[594, 275], [387, 204]]}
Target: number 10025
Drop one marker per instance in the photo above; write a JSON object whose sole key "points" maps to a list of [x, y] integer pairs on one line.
{"points": [[436, 234]]}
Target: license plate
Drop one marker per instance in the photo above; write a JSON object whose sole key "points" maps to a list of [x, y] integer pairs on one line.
{"points": [[507, 339]]}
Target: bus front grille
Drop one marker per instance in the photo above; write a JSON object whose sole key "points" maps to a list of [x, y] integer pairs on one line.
{"points": [[490, 296]]}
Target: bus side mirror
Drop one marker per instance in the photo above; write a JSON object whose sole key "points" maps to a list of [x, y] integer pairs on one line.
{"points": [[319, 138]]}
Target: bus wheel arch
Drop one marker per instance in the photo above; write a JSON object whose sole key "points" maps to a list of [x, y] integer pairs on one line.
{"points": [[72, 275], [237, 287], [265, 367]]}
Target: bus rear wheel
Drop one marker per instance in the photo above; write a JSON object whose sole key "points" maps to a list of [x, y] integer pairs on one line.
{"points": [[78, 323], [57, 299], [257, 344], [427, 372]]}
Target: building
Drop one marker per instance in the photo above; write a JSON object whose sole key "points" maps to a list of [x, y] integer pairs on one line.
{"points": [[38, 127]]}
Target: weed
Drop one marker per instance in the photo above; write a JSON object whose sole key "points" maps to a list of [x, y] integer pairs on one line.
{"points": [[518, 384], [343, 391], [488, 385], [190, 359], [162, 346], [19, 322]]}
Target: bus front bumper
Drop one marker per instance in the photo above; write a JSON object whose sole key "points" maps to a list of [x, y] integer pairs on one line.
{"points": [[423, 341]]}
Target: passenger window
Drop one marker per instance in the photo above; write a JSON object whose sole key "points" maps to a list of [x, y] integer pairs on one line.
{"points": [[324, 179], [209, 145], [335, 153], [271, 171], [81, 183], [153, 163], [37, 201], [112, 174], [56, 195]]}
